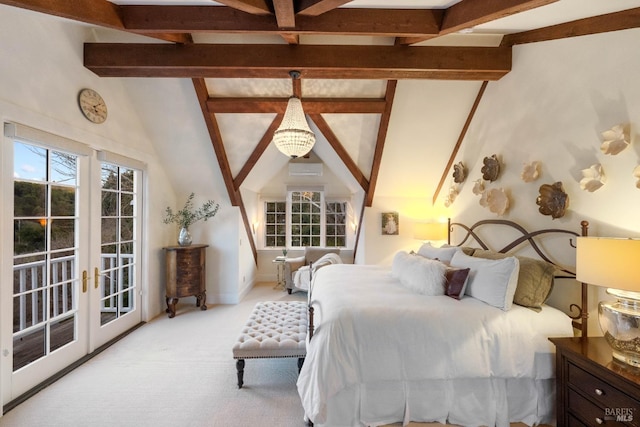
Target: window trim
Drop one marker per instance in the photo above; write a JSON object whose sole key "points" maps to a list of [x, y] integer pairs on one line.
{"points": [[261, 235]]}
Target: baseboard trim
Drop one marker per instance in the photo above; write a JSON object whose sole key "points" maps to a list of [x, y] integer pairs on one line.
{"points": [[46, 383]]}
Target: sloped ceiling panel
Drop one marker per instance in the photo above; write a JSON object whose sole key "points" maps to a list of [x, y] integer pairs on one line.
{"points": [[241, 133], [422, 133], [357, 133]]}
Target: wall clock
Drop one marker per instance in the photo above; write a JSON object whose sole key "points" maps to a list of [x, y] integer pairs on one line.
{"points": [[92, 105]]}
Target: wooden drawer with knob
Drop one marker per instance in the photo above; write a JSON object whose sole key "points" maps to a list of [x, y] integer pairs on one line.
{"points": [[592, 388]]}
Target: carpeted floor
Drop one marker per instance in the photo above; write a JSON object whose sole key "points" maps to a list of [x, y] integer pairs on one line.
{"points": [[173, 372], [176, 372]]}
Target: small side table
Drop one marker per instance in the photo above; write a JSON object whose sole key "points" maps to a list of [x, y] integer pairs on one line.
{"points": [[279, 262], [592, 387], [185, 275]]}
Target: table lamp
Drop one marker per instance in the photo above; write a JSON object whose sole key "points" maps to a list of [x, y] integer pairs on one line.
{"points": [[615, 263], [430, 231]]}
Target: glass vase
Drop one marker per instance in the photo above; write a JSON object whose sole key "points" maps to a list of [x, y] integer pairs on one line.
{"points": [[184, 238]]}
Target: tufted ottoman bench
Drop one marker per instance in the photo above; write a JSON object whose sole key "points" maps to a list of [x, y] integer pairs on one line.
{"points": [[274, 329]]}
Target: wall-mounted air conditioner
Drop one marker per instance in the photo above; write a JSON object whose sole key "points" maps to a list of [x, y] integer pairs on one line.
{"points": [[305, 169]]}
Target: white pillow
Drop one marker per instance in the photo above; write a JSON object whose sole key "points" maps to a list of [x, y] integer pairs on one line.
{"points": [[491, 281], [419, 274], [443, 254]]}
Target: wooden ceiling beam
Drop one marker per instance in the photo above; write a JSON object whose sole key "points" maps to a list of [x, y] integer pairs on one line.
{"points": [[380, 140], [95, 12], [616, 21], [255, 7], [202, 94], [463, 132], [314, 61], [309, 105], [257, 152], [285, 14], [290, 38], [340, 150], [220, 19], [318, 7], [469, 13]]}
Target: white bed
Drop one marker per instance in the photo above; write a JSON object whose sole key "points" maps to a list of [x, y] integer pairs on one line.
{"points": [[381, 353]]}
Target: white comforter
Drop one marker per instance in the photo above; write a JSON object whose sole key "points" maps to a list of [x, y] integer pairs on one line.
{"points": [[370, 329]]}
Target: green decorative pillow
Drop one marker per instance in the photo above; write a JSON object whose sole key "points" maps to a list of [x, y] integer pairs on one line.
{"points": [[535, 280]]}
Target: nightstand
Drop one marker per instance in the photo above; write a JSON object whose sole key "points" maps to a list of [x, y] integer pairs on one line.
{"points": [[185, 275], [592, 388]]}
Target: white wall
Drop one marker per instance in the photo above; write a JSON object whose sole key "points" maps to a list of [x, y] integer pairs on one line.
{"points": [[552, 107], [41, 75]]}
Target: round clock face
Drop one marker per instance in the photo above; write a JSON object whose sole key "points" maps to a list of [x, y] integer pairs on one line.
{"points": [[92, 105]]}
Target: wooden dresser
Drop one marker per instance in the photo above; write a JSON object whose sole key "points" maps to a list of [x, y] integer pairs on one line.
{"points": [[593, 389], [185, 275]]}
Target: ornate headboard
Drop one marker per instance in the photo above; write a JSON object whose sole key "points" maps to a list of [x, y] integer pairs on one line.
{"points": [[472, 238]]}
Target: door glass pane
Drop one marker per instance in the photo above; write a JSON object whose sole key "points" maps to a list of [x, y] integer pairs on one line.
{"points": [[29, 236], [45, 275], [62, 233], [29, 199], [109, 230], [63, 168], [62, 332], [30, 162], [63, 201], [117, 279]]}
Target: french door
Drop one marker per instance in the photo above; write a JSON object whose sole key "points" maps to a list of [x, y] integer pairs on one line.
{"points": [[76, 254]]}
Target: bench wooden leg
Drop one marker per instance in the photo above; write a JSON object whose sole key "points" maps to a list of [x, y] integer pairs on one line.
{"points": [[240, 368]]}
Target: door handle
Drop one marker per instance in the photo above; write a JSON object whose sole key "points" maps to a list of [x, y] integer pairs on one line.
{"points": [[84, 281]]}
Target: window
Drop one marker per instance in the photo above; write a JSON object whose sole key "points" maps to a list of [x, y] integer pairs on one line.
{"points": [[305, 220], [275, 224], [306, 216], [336, 218]]}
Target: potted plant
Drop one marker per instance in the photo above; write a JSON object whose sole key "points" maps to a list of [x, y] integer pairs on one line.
{"points": [[188, 215]]}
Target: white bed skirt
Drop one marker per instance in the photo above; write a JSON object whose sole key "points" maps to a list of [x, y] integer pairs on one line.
{"points": [[466, 402]]}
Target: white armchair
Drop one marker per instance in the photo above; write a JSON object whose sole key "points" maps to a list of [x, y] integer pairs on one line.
{"points": [[311, 255]]}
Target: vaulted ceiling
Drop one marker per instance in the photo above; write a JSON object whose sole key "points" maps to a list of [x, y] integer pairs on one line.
{"points": [[350, 54]]}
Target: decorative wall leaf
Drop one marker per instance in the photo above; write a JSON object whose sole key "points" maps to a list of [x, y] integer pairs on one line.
{"points": [[497, 201], [593, 178], [616, 139], [451, 195], [531, 171], [459, 173], [478, 187], [491, 168], [552, 200]]}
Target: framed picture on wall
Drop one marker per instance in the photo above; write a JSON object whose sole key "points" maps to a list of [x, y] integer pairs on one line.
{"points": [[390, 223]]}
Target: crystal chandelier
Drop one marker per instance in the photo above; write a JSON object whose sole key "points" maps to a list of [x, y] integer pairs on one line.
{"points": [[293, 137]]}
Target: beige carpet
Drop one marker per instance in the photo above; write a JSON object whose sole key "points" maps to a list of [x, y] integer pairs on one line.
{"points": [[177, 373], [173, 372]]}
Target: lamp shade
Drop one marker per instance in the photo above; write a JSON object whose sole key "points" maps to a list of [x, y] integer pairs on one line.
{"points": [[293, 137], [609, 262], [430, 231]]}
